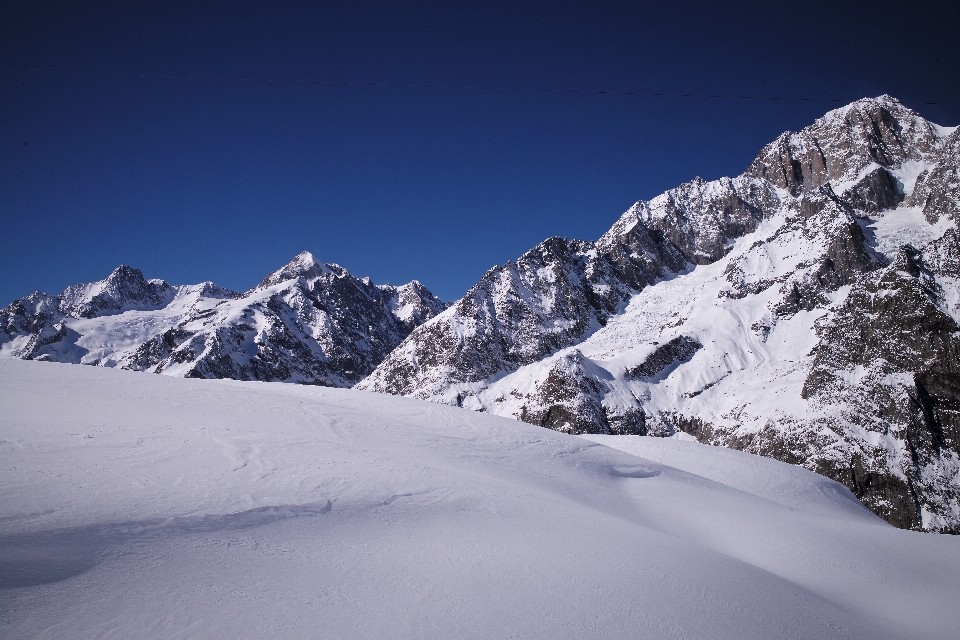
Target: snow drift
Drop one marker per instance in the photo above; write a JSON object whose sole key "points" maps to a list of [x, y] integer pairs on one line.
{"points": [[158, 507]]}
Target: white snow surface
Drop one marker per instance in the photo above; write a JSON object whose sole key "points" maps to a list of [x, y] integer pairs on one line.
{"points": [[887, 231], [110, 340], [137, 506]]}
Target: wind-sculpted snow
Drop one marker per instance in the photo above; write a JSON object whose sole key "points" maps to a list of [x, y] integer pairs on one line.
{"points": [[306, 322], [155, 507], [833, 249]]}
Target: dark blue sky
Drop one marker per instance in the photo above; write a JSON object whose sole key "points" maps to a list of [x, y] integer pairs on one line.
{"points": [[226, 180]]}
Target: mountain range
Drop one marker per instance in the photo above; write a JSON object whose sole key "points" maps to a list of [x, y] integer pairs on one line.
{"points": [[806, 310], [307, 322]]}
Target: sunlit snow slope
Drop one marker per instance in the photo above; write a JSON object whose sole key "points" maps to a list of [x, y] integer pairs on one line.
{"points": [[159, 507]]}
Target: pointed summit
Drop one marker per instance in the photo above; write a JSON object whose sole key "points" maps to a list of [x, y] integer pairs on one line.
{"points": [[836, 148], [125, 288], [413, 304], [302, 266], [124, 273], [304, 257]]}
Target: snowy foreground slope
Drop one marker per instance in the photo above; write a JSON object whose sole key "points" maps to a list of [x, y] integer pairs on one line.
{"points": [[807, 310], [159, 507]]}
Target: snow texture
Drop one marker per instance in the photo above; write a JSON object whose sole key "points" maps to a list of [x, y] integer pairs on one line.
{"points": [[158, 507]]}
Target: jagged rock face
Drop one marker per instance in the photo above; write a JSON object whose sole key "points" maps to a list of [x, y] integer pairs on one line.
{"points": [[124, 289], [29, 314], [699, 218], [937, 191], [777, 312], [875, 192], [833, 253], [889, 361], [562, 290], [568, 399], [844, 143], [678, 350], [515, 315], [307, 322], [413, 304]]}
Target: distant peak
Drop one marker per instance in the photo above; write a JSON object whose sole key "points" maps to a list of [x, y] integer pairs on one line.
{"points": [[885, 99], [304, 258], [304, 265], [123, 272]]}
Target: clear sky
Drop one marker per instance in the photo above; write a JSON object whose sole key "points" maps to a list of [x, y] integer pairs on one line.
{"points": [[226, 180]]}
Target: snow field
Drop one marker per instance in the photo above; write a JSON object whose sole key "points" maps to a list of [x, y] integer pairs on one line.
{"points": [[148, 506]]}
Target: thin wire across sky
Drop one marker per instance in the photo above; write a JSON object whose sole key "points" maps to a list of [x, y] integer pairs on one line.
{"points": [[457, 87]]}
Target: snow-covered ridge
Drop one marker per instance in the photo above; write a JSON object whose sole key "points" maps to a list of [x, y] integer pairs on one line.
{"points": [[306, 322]]}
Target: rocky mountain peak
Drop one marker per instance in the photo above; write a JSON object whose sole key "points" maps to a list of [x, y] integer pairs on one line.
{"points": [[124, 273], [306, 322], [771, 312], [413, 304], [845, 142], [304, 265], [29, 314], [125, 288]]}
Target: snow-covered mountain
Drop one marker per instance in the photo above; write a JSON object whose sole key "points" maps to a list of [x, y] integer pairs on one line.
{"points": [[806, 310], [306, 322]]}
